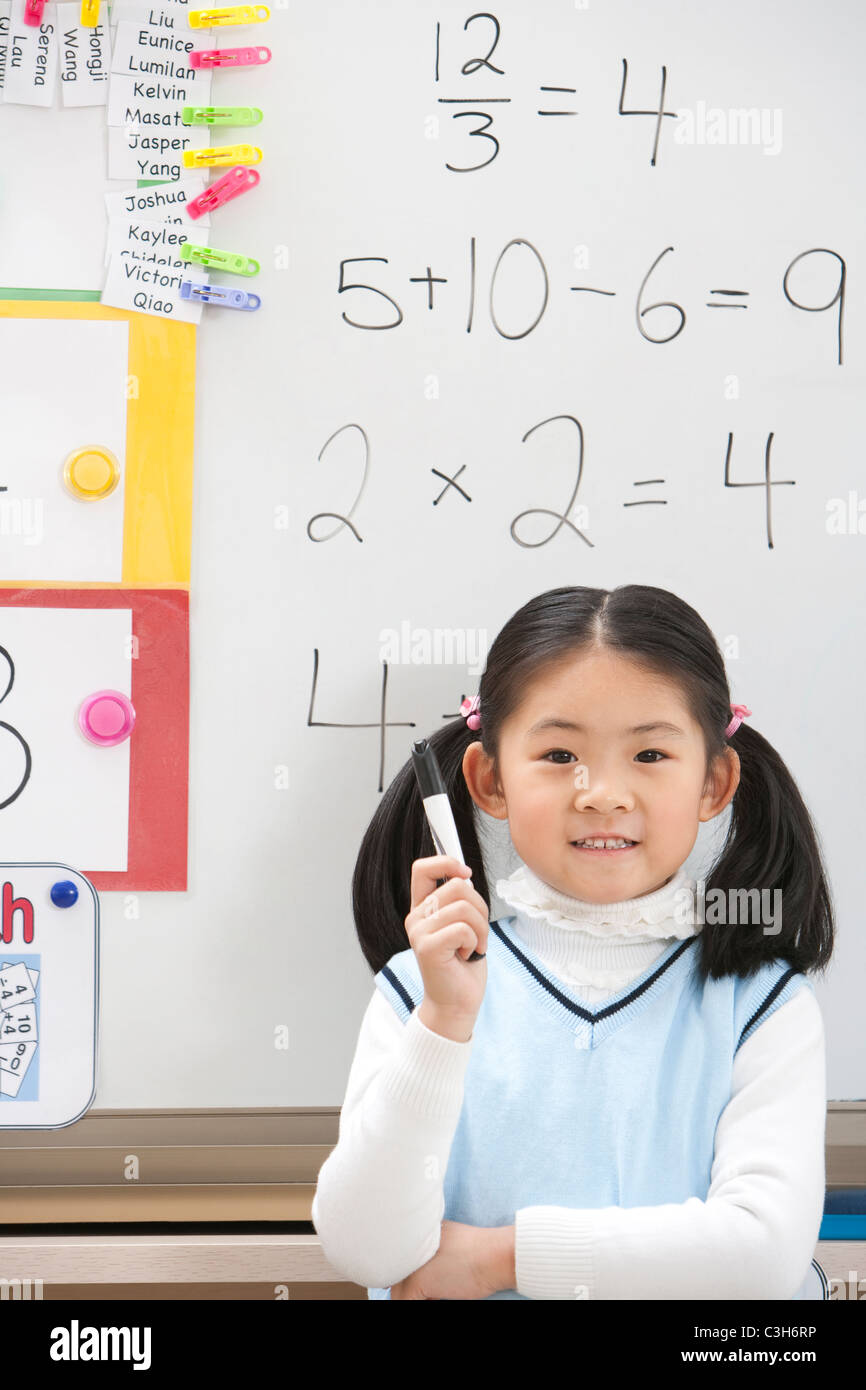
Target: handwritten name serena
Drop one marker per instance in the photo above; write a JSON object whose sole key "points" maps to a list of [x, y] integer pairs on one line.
{"points": [[43, 42]]}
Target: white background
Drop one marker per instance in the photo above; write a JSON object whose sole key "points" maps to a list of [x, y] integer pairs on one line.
{"points": [[265, 935]]}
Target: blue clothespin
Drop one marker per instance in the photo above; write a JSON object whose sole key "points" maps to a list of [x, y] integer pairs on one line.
{"points": [[219, 294]]}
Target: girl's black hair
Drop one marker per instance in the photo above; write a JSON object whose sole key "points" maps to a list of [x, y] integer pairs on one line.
{"points": [[771, 842]]}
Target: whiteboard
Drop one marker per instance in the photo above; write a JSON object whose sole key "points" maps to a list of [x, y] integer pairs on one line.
{"points": [[445, 503]]}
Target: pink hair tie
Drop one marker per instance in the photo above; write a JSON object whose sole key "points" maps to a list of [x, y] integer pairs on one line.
{"points": [[740, 712], [470, 709]]}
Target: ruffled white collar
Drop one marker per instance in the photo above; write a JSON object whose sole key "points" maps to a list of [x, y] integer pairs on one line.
{"points": [[663, 914]]}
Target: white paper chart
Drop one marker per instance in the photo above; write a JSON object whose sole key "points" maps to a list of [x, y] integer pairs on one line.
{"points": [[19, 1028], [49, 990], [82, 815], [47, 533]]}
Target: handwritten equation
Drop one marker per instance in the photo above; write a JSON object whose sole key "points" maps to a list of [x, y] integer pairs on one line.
{"points": [[488, 31], [562, 517], [728, 298], [382, 723]]}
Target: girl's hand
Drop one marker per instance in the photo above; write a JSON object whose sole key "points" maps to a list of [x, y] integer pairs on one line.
{"points": [[444, 926], [471, 1262]]}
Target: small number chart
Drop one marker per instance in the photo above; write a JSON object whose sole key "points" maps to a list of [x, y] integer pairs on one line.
{"points": [[49, 919]]}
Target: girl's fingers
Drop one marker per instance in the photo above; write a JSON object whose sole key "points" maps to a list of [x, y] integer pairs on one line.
{"points": [[448, 940], [426, 873], [432, 917]]}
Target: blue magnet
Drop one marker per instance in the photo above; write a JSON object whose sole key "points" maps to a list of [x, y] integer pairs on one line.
{"points": [[64, 893]]}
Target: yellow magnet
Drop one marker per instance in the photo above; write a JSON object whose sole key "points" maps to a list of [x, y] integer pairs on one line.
{"points": [[91, 473]]}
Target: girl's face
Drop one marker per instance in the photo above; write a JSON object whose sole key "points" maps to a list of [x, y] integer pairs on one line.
{"points": [[573, 766]]}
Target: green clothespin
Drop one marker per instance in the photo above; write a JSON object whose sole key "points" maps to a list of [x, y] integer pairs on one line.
{"points": [[220, 260], [221, 115]]}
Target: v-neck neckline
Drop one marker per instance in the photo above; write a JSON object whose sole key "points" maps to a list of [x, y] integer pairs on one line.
{"points": [[590, 1024]]}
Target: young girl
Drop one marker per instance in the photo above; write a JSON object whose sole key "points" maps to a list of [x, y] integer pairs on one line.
{"points": [[625, 1098]]}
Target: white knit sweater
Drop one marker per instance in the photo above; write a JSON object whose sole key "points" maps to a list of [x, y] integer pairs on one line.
{"points": [[376, 1208]]}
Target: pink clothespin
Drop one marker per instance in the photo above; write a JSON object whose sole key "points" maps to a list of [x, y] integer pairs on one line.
{"points": [[229, 57], [237, 180]]}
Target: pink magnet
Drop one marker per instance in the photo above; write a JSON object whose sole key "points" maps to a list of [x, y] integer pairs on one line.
{"points": [[106, 717]]}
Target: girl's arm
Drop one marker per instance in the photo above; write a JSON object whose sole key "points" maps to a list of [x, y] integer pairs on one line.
{"points": [[379, 1199], [753, 1236]]}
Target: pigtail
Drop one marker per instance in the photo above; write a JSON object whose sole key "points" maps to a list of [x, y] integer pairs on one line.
{"points": [[772, 845], [397, 835]]}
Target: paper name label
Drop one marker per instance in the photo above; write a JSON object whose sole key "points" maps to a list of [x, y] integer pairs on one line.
{"points": [[84, 58], [149, 50], [152, 154], [151, 242], [152, 289], [5, 7], [164, 203], [153, 101], [31, 59]]}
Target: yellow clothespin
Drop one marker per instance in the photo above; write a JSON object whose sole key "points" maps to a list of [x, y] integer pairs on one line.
{"points": [[235, 14], [90, 13], [222, 154]]}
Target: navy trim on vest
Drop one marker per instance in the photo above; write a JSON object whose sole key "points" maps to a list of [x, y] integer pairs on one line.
{"points": [[398, 988], [779, 985], [569, 1003]]}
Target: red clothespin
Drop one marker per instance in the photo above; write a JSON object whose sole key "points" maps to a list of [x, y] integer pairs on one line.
{"points": [[237, 180], [33, 12]]}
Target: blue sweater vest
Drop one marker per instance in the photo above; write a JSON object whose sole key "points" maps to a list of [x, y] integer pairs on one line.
{"points": [[577, 1106]]}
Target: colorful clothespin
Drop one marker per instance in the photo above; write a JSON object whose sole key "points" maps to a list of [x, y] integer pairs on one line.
{"points": [[89, 13], [222, 154], [237, 180], [33, 12], [220, 260], [228, 57], [221, 115], [219, 294], [236, 14]]}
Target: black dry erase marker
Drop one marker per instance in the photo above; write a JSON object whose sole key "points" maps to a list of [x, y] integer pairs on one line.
{"points": [[440, 817]]}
